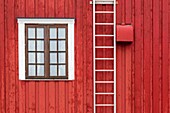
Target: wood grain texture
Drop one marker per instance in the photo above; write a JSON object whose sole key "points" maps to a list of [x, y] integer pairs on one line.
{"points": [[138, 56], [2, 57], [156, 58], [165, 59], [10, 57], [147, 56], [142, 66]]}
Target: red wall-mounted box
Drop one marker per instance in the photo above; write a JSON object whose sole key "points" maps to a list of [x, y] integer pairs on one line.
{"points": [[125, 33]]}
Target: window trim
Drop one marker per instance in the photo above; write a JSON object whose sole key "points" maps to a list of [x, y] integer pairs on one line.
{"points": [[21, 36]]}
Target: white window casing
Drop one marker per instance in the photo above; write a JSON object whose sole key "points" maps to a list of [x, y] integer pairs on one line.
{"points": [[21, 43]]}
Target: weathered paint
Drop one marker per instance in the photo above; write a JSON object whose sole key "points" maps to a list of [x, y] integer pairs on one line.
{"points": [[142, 66]]}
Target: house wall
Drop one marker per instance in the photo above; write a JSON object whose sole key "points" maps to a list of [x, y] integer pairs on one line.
{"points": [[142, 66]]}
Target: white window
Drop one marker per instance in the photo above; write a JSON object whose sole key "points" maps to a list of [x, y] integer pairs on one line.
{"points": [[46, 49]]}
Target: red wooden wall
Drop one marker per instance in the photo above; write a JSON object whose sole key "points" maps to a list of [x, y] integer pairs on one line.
{"points": [[142, 66]]}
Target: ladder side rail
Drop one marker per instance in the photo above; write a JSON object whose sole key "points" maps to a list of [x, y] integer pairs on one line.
{"points": [[94, 55], [114, 8]]}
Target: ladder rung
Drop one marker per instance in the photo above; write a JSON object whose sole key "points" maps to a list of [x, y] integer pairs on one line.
{"points": [[104, 23], [104, 104], [103, 2], [104, 93], [104, 35], [104, 47], [104, 58], [104, 70], [104, 12], [104, 82]]}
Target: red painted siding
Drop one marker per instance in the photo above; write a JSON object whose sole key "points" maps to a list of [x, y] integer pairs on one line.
{"points": [[143, 67]]}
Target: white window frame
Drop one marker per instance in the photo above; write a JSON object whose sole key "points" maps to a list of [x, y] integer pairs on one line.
{"points": [[21, 43]]}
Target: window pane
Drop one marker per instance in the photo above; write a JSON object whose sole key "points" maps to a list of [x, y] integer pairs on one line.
{"points": [[53, 57], [61, 45], [62, 57], [53, 33], [40, 45], [40, 70], [53, 45], [61, 33], [40, 57], [31, 45], [53, 70], [31, 57], [31, 70], [40, 33], [31, 32], [62, 70]]}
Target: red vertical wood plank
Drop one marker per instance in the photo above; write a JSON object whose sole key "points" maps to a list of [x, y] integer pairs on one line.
{"points": [[169, 58], [133, 59], [165, 40], [128, 72], [17, 4], [84, 28], [60, 8], [41, 8], [2, 57], [119, 12], [128, 12], [30, 86], [71, 8], [42, 95], [79, 57], [138, 57], [128, 78], [31, 96], [119, 77], [147, 56], [51, 8], [6, 62], [10, 57], [156, 57], [61, 98], [46, 97], [123, 5], [123, 79], [169, 70], [27, 97], [89, 53], [36, 97]]}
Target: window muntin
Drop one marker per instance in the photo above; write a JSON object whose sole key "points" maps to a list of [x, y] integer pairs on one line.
{"points": [[46, 51]]}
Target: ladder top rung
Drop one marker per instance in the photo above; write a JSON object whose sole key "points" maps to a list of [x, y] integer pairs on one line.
{"points": [[104, 58], [104, 93], [104, 23], [104, 70], [104, 47], [104, 12], [104, 35], [104, 2], [104, 82], [104, 104]]}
